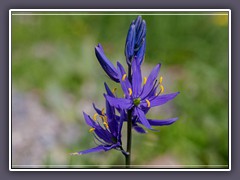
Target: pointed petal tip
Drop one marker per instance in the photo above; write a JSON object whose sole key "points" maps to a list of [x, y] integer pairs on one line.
{"points": [[133, 26], [176, 93], [119, 64], [105, 84], [139, 18], [174, 119], [97, 46]]}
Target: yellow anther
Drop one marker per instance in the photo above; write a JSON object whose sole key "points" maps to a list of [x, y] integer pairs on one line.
{"points": [[114, 90], [144, 80], [95, 116], [160, 80], [91, 130], [103, 111], [105, 124], [124, 77], [130, 91], [162, 89], [104, 118], [148, 103]]}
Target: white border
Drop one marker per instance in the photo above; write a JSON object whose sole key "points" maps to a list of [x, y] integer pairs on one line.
{"points": [[113, 10]]}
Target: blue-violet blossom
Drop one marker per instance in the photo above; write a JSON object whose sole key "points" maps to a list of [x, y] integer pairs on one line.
{"points": [[107, 131], [137, 97]]}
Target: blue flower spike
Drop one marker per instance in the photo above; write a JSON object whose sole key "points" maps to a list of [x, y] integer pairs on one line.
{"points": [[140, 94], [135, 45]]}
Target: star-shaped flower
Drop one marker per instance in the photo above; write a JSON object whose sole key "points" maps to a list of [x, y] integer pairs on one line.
{"points": [[140, 98]]}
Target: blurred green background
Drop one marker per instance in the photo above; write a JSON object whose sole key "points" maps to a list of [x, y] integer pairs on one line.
{"points": [[56, 76]]}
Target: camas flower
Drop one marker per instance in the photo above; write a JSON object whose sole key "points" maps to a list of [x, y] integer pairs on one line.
{"points": [[135, 45], [140, 98], [106, 128], [135, 120]]}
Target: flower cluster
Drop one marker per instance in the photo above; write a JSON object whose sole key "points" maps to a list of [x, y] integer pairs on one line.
{"points": [[140, 94]]}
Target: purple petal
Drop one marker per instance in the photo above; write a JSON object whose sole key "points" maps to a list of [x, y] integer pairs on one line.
{"points": [[162, 122], [106, 63], [142, 118], [89, 120], [97, 110], [139, 129], [130, 42], [119, 102], [150, 80], [110, 111], [109, 92], [95, 149], [122, 118], [141, 33], [136, 78], [109, 147], [162, 99], [103, 134], [141, 52], [112, 122], [137, 22], [125, 84]]}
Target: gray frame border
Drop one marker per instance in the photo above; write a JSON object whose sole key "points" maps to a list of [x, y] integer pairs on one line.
{"points": [[57, 12], [234, 5]]}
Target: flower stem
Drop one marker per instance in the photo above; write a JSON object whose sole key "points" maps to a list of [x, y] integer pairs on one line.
{"points": [[129, 127], [129, 138]]}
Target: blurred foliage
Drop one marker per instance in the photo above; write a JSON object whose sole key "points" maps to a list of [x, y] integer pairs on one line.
{"points": [[58, 51]]}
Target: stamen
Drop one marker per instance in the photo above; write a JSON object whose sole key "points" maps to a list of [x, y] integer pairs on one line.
{"points": [[130, 91], [144, 80], [160, 80], [148, 103], [105, 124], [114, 90], [162, 89], [102, 117], [124, 77], [95, 116], [103, 111], [91, 130], [105, 118]]}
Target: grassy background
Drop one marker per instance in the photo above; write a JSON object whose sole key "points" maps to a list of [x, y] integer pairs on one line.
{"points": [[53, 58]]}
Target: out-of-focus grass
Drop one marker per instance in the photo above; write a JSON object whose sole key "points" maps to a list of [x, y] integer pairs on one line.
{"points": [[57, 53]]}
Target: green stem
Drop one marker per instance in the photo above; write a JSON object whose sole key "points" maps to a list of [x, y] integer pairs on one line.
{"points": [[129, 138], [129, 127]]}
